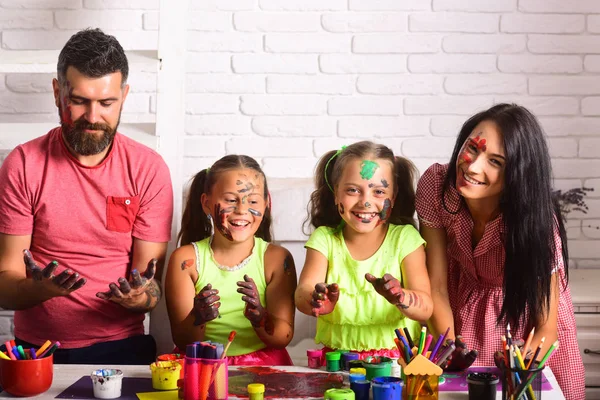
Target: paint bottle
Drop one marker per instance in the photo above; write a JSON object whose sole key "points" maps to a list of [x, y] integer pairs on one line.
{"points": [[387, 388], [360, 370], [107, 383], [482, 385], [256, 391], [314, 358], [356, 377], [333, 361], [361, 389], [346, 358], [339, 394]]}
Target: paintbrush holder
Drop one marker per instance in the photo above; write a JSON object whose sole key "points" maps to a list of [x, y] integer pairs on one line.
{"points": [[205, 379], [525, 383]]}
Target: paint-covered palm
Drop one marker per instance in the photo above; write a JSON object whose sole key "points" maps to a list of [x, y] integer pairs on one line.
{"points": [[324, 298], [206, 305], [140, 293], [59, 285], [390, 288], [254, 311]]}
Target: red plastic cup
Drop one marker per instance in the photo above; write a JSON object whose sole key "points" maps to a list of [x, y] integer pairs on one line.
{"points": [[26, 377]]}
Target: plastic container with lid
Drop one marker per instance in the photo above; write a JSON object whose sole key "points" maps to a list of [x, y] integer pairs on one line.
{"points": [[256, 391], [339, 394], [333, 361], [314, 358]]}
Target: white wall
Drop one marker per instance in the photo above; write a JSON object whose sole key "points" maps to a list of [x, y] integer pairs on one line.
{"points": [[286, 80]]}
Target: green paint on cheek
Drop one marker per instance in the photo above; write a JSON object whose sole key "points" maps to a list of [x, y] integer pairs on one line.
{"points": [[368, 169]]}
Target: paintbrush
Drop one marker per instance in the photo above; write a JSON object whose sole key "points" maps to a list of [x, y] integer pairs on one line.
{"points": [[223, 355]]}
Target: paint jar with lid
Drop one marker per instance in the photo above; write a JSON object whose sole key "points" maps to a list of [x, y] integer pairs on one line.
{"points": [[314, 358], [346, 358], [361, 389], [379, 366], [356, 377], [339, 394], [360, 370], [256, 391], [333, 361], [387, 388]]}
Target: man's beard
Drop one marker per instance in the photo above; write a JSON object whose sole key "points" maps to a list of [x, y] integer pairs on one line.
{"points": [[84, 143]]}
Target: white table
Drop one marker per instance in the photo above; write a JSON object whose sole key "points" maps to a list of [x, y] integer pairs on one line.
{"points": [[66, 375]]}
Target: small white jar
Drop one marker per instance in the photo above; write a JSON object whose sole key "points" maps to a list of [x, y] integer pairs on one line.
{"points": [[107, 383]]}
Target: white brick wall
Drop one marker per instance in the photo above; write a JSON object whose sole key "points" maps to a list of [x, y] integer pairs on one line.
{"points": [[285, 81]]}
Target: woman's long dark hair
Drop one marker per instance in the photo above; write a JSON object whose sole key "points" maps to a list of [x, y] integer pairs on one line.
{"points": [[195, 224], [322, 210], [530, 213]]}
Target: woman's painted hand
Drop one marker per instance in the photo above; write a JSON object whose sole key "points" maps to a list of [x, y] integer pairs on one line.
{"points": [[254, 311], [324, 298], [206, 305], [461, 358]]}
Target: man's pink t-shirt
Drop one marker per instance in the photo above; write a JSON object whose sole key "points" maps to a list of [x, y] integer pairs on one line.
{"points": [[85, 218]]}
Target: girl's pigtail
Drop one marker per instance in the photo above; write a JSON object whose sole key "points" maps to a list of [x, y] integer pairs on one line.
{"points": [[404, 206], [321, 207], [195, 224]]}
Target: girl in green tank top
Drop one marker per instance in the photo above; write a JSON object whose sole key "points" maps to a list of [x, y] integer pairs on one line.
{"points": [[226, 276], [365, 273]]}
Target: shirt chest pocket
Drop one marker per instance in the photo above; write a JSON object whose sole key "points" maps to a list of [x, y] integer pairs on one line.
{"points": [[121, 213]]}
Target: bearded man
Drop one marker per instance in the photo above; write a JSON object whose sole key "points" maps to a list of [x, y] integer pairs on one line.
{"points": [[85, 219]]}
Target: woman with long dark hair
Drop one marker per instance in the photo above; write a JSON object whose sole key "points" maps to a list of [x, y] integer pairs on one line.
{"points": [[497, 248]]}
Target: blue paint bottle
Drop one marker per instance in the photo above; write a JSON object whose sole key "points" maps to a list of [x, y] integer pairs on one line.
{"points": [[387, 388]]}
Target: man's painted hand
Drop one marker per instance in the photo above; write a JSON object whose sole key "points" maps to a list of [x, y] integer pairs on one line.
{"points": [[54, 285], [254, 311], [324, 298], [139, 293], [206, 305]]}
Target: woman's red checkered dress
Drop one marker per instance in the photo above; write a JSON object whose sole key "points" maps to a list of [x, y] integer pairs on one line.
{"points": [[475, 284]]}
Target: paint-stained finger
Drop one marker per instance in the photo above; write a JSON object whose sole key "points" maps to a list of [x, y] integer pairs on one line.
{"points": [[248, 279], [209, 301], [205, 302], [321, 287], [253, 312], [114, 290], [151, 270], [371, 278], [104, 295], [207, 287], [124, 286], [316, 303], [48, 272], [28, 259], [78, 284], [206, 293], [388, 277], [70, 281], [62, 277], [247, 292], [136, 279], [246, 285], [251, 300]]}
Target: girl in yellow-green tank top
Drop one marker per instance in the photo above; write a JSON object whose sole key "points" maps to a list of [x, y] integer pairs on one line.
{"points": [[365, 272], [231, 279]]}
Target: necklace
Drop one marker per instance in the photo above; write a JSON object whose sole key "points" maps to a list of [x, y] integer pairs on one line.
{"points": [[241, 265]]}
